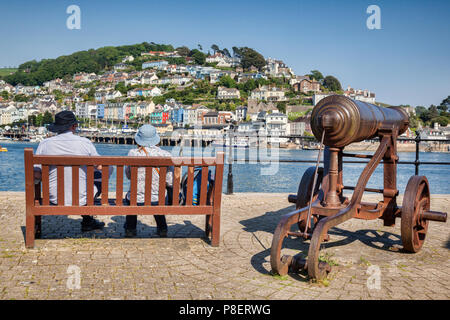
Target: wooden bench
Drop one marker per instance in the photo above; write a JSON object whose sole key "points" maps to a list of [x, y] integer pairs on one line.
{"points": [[37, 205]]}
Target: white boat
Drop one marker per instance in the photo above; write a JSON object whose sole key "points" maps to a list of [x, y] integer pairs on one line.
{"points": [[226, 144]]}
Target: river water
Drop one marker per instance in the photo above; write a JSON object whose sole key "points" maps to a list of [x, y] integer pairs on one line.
{"points": [[252, 177]]}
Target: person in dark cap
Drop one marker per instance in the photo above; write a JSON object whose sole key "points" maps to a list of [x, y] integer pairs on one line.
{"points": [[68, 144]]}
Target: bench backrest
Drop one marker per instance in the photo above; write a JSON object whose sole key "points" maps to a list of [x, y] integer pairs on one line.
{"points": [[208, 202]]}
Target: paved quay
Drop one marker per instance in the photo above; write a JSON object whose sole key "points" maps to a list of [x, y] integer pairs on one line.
{"points": [[370, 262]]}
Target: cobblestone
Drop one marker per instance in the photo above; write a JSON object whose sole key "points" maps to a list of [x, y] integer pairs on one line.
{"points": [[185, 266]]}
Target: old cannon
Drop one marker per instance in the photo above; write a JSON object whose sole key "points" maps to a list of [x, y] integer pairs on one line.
{"points": [[338, 121]]}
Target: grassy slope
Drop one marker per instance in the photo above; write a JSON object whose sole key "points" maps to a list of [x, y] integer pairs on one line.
{"points": [[7, 71]]}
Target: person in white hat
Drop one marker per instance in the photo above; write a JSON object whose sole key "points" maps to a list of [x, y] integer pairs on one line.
{"points": [[147, 140]]}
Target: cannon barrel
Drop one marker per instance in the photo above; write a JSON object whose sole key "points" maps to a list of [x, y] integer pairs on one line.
{"points": [[346, 120]]}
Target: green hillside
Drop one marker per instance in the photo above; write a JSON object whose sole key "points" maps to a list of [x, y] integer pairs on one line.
{"points": [[36, 73], [7, 71]]}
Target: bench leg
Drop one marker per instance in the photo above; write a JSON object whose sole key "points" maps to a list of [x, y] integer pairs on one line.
{"points": [[38, 227], [208, 225], [215, 238], [30, 231]]}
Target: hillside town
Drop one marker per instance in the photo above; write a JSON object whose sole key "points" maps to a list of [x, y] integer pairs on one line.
{"points": [[150, 89]]}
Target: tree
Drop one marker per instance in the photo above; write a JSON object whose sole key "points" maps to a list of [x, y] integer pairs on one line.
{"points": [[47, 118], [434, 112], [183, 51], [226, 52], [250, 57], [121, 87], [316, 74], [200, 47], [215, 48], [199, 57], [32, 120], [281, 106], [21, 98], [39, 119], [423, 113], [250, 85], [236, 52], [331, 83], [227, 81], [4, 94], [91, 94], [443, 121]]}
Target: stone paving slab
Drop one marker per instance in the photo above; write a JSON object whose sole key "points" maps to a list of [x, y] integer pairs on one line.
{"points": [[185, 266]]}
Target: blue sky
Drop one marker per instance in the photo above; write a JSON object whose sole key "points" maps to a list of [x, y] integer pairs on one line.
{"points": [[406, 62]]}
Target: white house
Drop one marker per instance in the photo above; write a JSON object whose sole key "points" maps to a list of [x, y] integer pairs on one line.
{"points": [[268, 94], [228, 93], [276, 126], [113, 95], [128, 59]]}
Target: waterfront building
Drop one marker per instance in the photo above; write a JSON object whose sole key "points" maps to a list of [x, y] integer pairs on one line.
{"points": [[295, 128], [241, 113], [86, 110], [176, 116], [225, 117], [100, 111], [276, 126], [114, 111], [210, 117], [159, 116], [190, 116]]}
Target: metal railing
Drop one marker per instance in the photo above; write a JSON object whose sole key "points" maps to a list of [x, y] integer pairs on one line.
{"points": [[417, 140]]}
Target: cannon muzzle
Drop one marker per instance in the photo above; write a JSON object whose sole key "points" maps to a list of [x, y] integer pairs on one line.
{"points": [[346, 121]]}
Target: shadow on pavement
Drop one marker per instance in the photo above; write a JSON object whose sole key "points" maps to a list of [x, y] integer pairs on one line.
{"points": [[268, 222], [62, 227]]}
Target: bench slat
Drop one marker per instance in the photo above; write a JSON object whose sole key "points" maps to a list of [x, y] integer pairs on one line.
{"points": [[176, 186], [162, 186], [119, 185], [190, 186], [203, 187], [45, 186], [124, 210], [124, 161], [90, 185], [75, 185], [105, 185], [148, 185], [133, 186], [60, 185]]}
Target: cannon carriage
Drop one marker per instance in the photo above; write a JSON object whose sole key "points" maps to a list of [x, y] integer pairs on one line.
{"points": [[338, 121]]}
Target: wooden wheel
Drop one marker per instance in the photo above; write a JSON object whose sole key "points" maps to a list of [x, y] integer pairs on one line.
{"points": [[415, 201], [304, 192]]}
